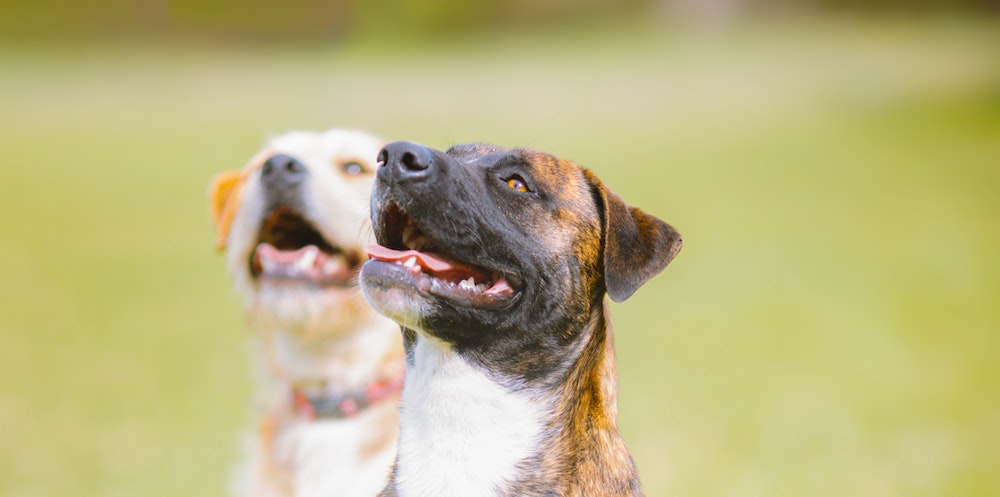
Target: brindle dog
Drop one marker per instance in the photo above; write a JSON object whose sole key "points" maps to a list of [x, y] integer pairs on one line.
{"points": [[495, 262]]}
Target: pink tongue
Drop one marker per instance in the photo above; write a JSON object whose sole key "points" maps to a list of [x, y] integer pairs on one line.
{"points": [[439, 266], [268, 251], [427, 261]]}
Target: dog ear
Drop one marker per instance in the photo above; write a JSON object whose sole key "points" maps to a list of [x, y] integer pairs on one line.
{"points": [[223, 199], [637, 246]]}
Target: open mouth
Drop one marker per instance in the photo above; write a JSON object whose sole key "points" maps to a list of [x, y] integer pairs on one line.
{"points": [[290, 248], [408, 254]]}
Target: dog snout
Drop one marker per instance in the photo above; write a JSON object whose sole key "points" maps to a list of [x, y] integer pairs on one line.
{"points": [[282, 171], [406, 160]]}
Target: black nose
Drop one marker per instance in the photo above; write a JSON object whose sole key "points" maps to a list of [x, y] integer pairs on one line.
{"points": [[282, 171], [407, 159]]}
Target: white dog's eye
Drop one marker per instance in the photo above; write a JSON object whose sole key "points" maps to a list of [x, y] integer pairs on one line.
{"points": [[353, 168]]}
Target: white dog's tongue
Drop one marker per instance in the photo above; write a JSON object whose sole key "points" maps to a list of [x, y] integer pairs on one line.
{"points": [[307, 254], [308, 262]]}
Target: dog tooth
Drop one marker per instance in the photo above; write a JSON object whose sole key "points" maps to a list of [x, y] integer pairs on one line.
{"points": [[307, 259], [333, 265], [301, 264], [468, 284], [411, 262], [411, 237], [267, 265]]}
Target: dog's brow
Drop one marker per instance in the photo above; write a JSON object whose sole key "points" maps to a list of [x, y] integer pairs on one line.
{"points": [[507, 158]]}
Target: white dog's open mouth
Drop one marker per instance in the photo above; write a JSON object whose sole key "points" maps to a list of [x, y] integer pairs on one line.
{"points": [[290, 248]]}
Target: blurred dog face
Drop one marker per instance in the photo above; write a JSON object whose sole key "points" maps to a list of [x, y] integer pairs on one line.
{"points": [[294, 223]]}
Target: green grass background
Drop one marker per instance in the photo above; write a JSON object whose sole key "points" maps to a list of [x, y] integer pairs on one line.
{"points": [[830, 328]]}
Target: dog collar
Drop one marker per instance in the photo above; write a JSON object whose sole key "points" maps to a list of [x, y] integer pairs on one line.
{"points": [[336, 405]]}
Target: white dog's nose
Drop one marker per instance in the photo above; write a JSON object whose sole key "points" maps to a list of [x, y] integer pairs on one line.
{"points": [[282, 171]]}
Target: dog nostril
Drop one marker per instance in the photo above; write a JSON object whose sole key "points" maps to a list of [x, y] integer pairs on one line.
{"points": [[282, 169], [407, 159], [412, 162]]}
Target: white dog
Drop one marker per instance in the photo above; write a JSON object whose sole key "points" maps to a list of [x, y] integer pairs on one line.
{"points": [[294, 224]]}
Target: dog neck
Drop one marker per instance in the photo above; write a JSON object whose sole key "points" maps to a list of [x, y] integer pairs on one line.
{"points": [[461, 433], [321, 368], [465, 431], [586, 454], [338, 404]]}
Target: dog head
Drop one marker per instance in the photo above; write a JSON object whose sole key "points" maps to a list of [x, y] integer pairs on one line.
{"points": [[497, 251], [293, 223]]}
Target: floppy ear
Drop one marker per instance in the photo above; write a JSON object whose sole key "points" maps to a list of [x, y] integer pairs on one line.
{"points": [[637, 246], [223, 199]]}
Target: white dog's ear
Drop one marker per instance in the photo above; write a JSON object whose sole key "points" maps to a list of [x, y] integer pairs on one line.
{"points": [[637, 246], [223, 200]]}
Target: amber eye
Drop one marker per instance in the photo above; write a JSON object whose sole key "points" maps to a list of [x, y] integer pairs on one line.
{"points": [[517, 183], [353, 168]]}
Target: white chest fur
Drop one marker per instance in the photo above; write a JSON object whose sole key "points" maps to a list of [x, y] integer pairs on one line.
{"points": [[324, 458], [328, 459], [462, 434]]}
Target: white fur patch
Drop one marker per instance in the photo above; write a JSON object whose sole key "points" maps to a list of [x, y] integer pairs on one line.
{"points": [[462, 434], [327, 461]]}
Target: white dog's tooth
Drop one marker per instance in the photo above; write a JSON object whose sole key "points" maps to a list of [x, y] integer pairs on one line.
{"points": [[267, 265], [307, 259], [468, 284], [333, 265], [412, 261]]}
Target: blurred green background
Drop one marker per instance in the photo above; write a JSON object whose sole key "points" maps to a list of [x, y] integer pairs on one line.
{"points": [[830, 329]]}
